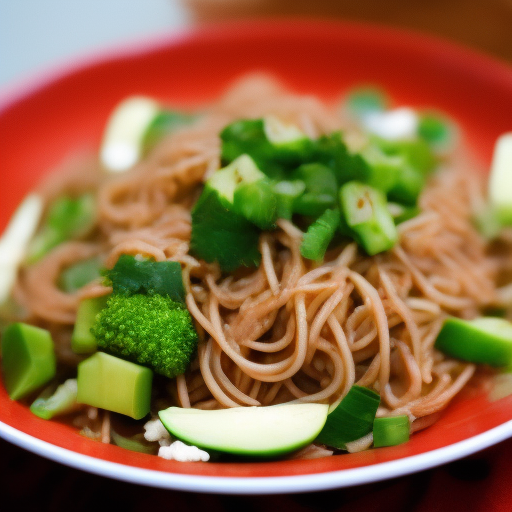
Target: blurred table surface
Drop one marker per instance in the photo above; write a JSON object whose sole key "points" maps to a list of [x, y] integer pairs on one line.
{"points": [[31, 483]]}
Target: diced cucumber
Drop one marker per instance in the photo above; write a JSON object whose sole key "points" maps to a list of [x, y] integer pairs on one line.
{"points": [[255, 431], [28, 359], [390, 431], [114, 384], [484, 340], [82, 339], [366, 213], [352, 419], [63, 401], [321, 189], [287, 192], [319, 235], [500, 181]]}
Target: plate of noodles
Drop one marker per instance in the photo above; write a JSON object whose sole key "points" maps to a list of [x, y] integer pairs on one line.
{"points": [[259, 258]]}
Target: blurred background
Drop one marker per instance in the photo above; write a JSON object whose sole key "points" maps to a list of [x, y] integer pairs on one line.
{"points": [[35, 34]]}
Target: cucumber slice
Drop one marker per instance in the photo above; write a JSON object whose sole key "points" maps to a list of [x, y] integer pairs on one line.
{"points": [[486, 340], [256, 431], [500, 183]]}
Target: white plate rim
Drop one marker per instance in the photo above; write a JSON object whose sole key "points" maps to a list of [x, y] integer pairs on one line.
{"points": [[259, 485]]}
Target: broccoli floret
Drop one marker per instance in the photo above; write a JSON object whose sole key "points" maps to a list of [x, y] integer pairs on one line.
{"points": [[151, 330]]}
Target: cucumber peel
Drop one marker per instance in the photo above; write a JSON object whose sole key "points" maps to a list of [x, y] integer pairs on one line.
{"points": [[485, 340]]}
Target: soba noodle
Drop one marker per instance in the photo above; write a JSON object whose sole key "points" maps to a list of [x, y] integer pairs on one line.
{"points": [[290, 330]]}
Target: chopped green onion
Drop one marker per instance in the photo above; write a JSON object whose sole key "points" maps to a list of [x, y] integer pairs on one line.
{"points": [[366, 213], [76, 276], [28, 359], [436, 130], [390, 431], [82, 339], [321, 189], [362, 101], [67, 218], [486, 222], [63, 401], [352, 419], [136, 443], [484, 340], [257, 202], [319, 235], [287, 192]]}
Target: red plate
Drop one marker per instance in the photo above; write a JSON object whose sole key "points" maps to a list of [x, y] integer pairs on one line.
{"points": [[65, 113]]}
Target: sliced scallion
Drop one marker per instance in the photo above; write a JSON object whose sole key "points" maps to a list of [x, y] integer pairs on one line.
{"points": [[352, 419], [366, 213], [390, 431], [319, 235]]}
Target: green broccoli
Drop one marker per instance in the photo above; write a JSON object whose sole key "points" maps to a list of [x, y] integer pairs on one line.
{"points": [[152, 330]]}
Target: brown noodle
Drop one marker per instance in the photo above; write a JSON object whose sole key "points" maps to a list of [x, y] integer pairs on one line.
{"points": [[289, 330]]}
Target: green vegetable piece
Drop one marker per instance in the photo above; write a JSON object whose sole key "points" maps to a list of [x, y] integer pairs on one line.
{"points": [[366, 213], [82, 339], [116, 385], [134, 127], [257, 202], [287, 192], [63, 401], [162, 124], [321, 189], [247, 191], [384, 170], [255, 431], [351, 419], [487, 223], [401, 213], [416, 152], [274, 147], [67, 218], [484, 340], [319, 235], [436, 130], [331, 151], [151, 330], [407, 187], [133, 275], [136, 443], [363, 101], [78, 275], [500, 180], [390, 431], [222, 235], [28, 359]]}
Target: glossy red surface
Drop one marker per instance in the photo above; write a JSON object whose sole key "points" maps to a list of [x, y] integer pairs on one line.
{"points": [[43, 124]]}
